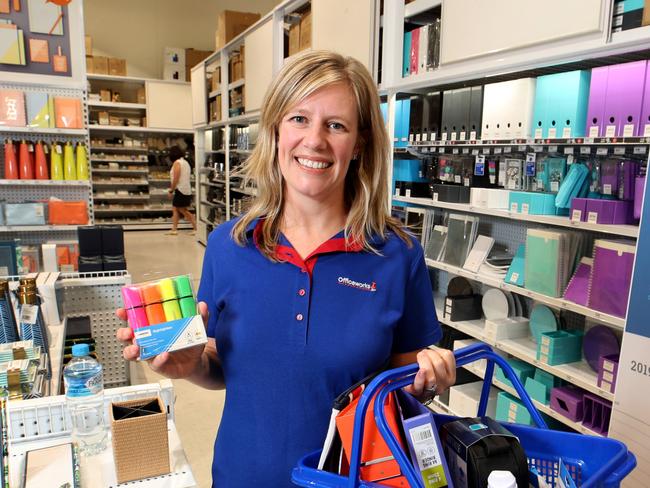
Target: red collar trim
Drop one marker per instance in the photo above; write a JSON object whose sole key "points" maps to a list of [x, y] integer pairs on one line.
{"points": [[289, 254]]}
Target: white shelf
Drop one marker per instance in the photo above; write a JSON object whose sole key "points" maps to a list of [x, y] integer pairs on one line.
{"points": [[214, 93], [122, 161], [127, 79], [607, 319], [127, 128], [120, 171], [99, 210], [419, 6], [216, 185], [144, 225], [119, 148], [120, 197], [236, 84], [120, 183], [246, 191], [159, 180], [578, 373], [123, 105], [473, 368], [619, 230], [44, 183], [40, 130], [213, 204], [37, 228]]}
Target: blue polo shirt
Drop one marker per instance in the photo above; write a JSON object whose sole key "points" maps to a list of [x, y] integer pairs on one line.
{"points": [[293, 335]]}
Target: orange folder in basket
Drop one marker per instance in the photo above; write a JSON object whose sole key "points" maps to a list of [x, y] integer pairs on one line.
{"points": [[377, 462]]}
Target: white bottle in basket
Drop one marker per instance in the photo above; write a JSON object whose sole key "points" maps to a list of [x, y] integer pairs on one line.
{"points": [[502, 479], [84, 393]]}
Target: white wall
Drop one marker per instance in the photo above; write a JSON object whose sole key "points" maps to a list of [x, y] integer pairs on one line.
{"points": [[138, 30]]}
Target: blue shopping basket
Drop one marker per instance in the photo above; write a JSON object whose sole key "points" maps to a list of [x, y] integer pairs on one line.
{"points": [[591, 461]]}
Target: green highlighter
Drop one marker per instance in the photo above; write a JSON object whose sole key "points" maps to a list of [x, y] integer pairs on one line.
{"points": [[185, 296], [169, 301]]}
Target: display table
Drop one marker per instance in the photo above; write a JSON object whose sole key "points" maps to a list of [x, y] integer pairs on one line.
{"points": [[44, 422]]}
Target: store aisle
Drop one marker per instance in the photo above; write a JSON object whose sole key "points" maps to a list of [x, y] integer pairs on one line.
{"points": [[151, 255]]}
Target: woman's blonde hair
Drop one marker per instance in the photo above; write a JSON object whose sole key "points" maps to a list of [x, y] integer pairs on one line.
{"points": [[366, 183]]}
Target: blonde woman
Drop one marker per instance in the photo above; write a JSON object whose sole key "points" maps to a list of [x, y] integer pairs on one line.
{"points": [[316, 285]]}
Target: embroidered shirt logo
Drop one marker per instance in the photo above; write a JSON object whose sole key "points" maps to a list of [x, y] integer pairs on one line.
{"points": [[357, 284]]}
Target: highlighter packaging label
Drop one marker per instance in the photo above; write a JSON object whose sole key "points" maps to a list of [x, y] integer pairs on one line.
{"points": [[163, 315], [170, 336]]}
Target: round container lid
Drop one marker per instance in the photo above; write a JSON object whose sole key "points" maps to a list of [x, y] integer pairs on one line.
{"points": [[542, 319], [495, 304], [502, 479], [80, 350], [183, 286], [599, 341]]}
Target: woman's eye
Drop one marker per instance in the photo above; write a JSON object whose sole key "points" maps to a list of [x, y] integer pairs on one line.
{"points": [[299, 119], [336, 126]]}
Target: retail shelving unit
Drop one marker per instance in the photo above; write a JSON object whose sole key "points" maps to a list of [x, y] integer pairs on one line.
{"points": [[226, 123], [131, 174], [499, 55], [473, 52]]}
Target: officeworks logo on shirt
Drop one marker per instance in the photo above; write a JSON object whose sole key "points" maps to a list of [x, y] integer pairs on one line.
{"points": [[357, 284]]}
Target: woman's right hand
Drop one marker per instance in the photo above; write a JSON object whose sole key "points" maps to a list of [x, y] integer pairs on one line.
{"points": [[174, 365]]}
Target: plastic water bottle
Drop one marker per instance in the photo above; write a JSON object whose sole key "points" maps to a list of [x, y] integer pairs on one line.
{"points": [[84, 393]]}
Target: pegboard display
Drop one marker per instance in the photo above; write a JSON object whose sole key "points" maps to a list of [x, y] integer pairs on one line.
{"points": [[99, 299], [16, 191]]}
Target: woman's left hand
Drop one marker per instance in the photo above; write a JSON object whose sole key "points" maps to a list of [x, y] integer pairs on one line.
{"points": [[437, 373]]}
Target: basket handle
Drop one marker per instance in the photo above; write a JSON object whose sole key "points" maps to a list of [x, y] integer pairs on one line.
{"points": [[615, 477], [394, 379]]}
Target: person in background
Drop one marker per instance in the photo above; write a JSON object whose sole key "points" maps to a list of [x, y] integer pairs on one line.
{"points": [[315, 286], [180, 190]]}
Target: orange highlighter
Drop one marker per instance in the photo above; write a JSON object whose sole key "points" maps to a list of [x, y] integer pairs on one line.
{"points": [[152, 304]]}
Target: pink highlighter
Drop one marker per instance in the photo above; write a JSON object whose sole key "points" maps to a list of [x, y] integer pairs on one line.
{"points": [[134, 305]]}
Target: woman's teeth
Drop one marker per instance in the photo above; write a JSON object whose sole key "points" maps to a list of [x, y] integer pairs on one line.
{"points": [[313, 164]]}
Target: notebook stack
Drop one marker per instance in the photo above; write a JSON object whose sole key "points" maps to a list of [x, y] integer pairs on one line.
{"points": [[549, 261]]}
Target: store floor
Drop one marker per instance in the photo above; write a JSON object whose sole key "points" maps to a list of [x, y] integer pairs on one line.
{"points": [[151, 255]]}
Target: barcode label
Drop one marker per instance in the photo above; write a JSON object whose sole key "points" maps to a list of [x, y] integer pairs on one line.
{"points": [[592, 217], [576, 216], [585, 150], [472, 135], [28, 314], [514, 277], [566, 133], [594, 131], [538, 133], [552, 132], [610, 131], [628, 130], [462, 136], [425, 447]]}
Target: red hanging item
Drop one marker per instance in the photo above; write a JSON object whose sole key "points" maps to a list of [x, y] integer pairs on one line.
{"points": [[11, 165], [41, 169], [25, 164]]}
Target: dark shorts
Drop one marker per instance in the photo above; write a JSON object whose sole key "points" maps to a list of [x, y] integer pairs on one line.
{"points": [[181, 200]]}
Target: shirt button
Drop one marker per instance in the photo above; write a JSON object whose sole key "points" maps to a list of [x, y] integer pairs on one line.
{"points": [[302, 292], [299, 317]]}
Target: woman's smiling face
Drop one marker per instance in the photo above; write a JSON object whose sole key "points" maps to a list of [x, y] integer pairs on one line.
{"points": [[317, 138]]}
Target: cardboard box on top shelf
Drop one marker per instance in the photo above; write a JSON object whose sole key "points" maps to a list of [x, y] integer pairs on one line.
{"points": [[174, 56], [105, 95], [88, 45], [90, 65], [141, 95], [144, 122], [117, 67], [194, 57], [230, 23], [100, 64], [305, 31], [294, 39], [646, 13]]}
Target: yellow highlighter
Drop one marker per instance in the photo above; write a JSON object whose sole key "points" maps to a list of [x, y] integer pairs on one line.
{"points": [[169, 300]]}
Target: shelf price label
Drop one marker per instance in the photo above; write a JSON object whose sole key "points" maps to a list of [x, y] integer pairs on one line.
{"points": [[640, 149], [509, 149], [498, 150], [585, 150], [619, 150], [601, 151], [568, 150]]}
